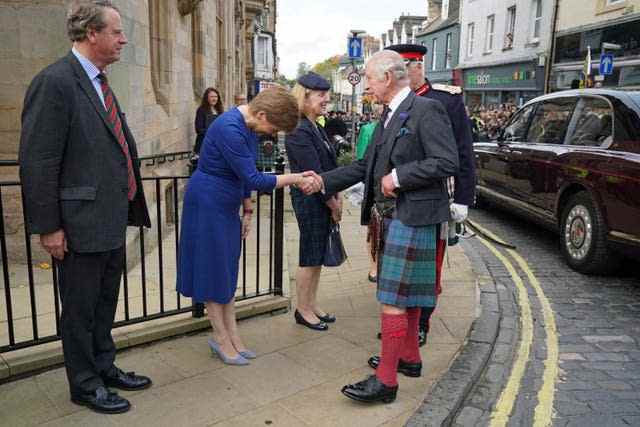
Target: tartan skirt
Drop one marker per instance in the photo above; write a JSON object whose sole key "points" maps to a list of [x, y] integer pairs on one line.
{"points": [[314, 220], [407, 265]]}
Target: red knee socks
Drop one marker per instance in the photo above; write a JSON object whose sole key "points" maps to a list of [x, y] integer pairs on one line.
{"points": [[410, 350], [394, 334]]}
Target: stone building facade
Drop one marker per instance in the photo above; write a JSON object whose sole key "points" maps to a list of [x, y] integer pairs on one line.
{"points": [[176, 49]]}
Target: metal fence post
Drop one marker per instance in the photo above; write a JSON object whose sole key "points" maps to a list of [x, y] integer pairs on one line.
{"points": [[198, 307], [278, 233]]}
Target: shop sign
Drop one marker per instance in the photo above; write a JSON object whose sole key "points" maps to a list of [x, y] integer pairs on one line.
{"points": [[498, 79]]}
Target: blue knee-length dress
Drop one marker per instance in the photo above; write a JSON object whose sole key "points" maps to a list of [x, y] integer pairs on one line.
{"points": [[210, 235]]}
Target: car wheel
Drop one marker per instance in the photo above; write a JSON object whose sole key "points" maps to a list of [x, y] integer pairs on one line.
{"points": [[584, 236]]}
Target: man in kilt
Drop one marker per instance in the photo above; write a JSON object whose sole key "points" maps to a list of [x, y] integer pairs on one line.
{"points": [[464, 183], [405, 169]]}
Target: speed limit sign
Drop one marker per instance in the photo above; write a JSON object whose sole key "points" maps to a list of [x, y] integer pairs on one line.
{"points": [[353, 78]]}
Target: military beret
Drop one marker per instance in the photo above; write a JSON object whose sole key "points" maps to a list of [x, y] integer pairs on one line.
{"points": [[314, 81], [409, 51]]}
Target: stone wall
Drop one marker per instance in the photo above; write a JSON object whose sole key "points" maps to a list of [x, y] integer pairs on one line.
{"points": [[171, 57]]}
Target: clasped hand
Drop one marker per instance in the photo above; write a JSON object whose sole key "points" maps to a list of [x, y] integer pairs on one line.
{"points": [[310, 182]]}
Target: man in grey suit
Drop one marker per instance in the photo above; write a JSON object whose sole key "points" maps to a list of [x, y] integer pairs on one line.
{"points": [[412, 153], [82, 187]]}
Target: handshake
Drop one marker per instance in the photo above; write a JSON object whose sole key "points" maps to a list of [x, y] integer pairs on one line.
{"points": [[309, 182]]}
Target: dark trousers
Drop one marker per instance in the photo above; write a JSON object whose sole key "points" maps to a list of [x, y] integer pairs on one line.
{"points": [[89, 287]]}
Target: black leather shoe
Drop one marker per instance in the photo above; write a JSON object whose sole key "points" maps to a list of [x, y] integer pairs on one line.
{"points": [[126, 380], [408, 369], [327, 318], [103, 401], [422, 337], [370, 390], [320, 326]]}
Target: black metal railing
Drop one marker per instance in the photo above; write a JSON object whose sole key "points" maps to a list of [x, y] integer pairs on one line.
{"points": [[31, 297]]}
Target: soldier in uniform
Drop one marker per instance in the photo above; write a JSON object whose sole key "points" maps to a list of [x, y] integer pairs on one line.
{"points": [[463, 188]]}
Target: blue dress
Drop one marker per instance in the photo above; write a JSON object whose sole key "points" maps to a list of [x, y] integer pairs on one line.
{"points": [[210, 235]]}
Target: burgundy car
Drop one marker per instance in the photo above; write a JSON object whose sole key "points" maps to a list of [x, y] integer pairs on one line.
{"points": [[571, 161]]}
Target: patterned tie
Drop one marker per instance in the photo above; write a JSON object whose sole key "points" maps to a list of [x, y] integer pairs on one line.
{"points": [[385, 115], [113, 118]]}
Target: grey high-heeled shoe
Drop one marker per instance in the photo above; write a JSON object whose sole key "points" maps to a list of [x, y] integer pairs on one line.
{"points": [[239, 360], [248, 354]]}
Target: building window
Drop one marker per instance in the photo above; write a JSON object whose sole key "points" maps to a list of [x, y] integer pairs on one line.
{"points": [[434, 56], [445, 10], [470, 39], [536, 8], [262, 52], [491, 20], [510, 27], [447, 50]]}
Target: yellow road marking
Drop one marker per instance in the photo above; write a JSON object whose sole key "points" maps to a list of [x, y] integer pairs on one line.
{"points": [[544, 409], [500, 415]]}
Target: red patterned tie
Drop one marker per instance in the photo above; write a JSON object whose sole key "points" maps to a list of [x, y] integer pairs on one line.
{"points": [[116, 124]]}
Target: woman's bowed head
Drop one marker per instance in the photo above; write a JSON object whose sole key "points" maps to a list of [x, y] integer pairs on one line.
{"points": [[271, 111]]}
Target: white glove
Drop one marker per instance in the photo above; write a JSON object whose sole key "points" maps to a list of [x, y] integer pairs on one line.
{"points": [[459, 212]]}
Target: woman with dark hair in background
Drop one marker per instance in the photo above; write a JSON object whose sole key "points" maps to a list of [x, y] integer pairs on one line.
{"points": [[210, 108]]}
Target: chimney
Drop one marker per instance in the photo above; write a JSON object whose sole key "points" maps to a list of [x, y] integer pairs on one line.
{"points": [[434, 10]]}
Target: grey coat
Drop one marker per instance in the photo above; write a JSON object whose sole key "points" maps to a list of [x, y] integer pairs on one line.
{"points": [[72, 168], [419, 143]]}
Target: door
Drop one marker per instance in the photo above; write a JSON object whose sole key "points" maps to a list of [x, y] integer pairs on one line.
{"points": [[492, 158], [531, 162]]}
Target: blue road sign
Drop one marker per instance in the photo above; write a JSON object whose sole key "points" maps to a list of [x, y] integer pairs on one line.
{"points": [[354, 47], [606, 64]]}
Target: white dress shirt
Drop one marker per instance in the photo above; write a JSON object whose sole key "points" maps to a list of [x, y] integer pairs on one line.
{"points": [[393, 106], [92, 72]]}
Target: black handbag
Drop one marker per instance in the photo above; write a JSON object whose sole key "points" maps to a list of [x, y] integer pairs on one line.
{"points": [[334, 253]]}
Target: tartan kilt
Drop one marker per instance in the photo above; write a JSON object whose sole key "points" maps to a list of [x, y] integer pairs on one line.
{"points": [[407, 265], [314, 220]]}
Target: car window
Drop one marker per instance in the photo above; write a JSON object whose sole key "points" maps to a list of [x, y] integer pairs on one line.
{"points": [[517, 128], [549, 123], [594, 123]]}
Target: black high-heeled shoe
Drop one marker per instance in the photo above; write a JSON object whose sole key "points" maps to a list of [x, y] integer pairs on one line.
{"points": [[327, 318], [320, 326]]}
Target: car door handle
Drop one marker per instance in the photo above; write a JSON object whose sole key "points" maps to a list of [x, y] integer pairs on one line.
{"points": [[515, 152]]}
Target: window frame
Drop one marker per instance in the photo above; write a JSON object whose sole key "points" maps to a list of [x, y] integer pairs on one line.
{"points": [[575, 99], [536, 20], [490, 36], [578, 109], [510, 27], [434, 55], [447, 51], [470, 38], [517, 114]]}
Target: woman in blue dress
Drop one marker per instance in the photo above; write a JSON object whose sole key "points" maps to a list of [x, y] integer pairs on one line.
{"points": [[211, 229]]}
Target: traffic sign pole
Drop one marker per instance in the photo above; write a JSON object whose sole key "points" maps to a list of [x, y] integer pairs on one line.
{"points": [[354, 50]]}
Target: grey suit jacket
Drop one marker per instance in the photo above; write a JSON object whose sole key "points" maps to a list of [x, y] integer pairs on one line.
{"points": [[72, 168], [418, 141]]}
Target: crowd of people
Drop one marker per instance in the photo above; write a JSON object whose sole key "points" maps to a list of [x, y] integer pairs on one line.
{"points": [[488, 120], [82, 187]]}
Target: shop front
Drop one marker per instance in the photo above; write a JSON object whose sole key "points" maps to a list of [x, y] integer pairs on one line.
{"points": [[514, 83], [619, 38]]}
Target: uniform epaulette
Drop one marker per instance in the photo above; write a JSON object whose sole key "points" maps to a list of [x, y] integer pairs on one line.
{"points": [[453, 90]]}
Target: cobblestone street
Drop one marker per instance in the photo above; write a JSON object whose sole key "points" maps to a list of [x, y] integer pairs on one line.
{"points": [[598, 376]]}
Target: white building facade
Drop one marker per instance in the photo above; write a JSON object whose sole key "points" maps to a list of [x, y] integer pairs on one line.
{"points": [[504, 49]]}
